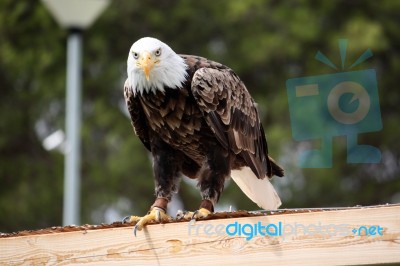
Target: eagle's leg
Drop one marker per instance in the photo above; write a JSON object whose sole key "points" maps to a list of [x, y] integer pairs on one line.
{"points": [[166, 173], [211, 182]]}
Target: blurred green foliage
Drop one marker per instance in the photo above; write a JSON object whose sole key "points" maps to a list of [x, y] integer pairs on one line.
{"points": [[265, 42]]}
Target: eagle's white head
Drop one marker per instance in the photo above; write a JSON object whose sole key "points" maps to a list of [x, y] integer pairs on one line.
{"points": [[153, 65]]}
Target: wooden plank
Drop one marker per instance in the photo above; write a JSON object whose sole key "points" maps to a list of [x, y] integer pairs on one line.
{"points": [[316, 237]]}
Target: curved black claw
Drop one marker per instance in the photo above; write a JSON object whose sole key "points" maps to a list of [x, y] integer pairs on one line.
{"points": [[194, 214], [134, 230], [126, 219]]}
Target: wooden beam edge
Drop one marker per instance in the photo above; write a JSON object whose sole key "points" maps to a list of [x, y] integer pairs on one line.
{"points": [[308, 238]]}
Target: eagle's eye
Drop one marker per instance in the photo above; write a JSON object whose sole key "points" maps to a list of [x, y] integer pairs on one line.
{"points": [[158, 52], [135, 55]]}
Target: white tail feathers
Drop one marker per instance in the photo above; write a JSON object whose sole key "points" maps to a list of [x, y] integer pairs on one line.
{"points": [[260, 191]]}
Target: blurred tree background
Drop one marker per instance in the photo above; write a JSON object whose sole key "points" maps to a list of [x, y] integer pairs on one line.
{"points": [[265, 42]]}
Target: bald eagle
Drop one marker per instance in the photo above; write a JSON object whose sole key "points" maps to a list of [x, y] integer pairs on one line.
{"points": [[197, 118]]}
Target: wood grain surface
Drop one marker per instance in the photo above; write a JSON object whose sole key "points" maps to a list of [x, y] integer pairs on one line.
{"points": [[308, 238]]}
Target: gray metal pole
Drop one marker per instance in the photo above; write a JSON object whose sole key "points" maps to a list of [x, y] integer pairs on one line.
{"points": [[71, 211]]}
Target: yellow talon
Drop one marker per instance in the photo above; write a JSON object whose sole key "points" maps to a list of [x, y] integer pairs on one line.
{"points": [[200, 213], [155, 215]]}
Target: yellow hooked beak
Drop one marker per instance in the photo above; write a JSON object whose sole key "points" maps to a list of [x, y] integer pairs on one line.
{"points": [[147, 63]]}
